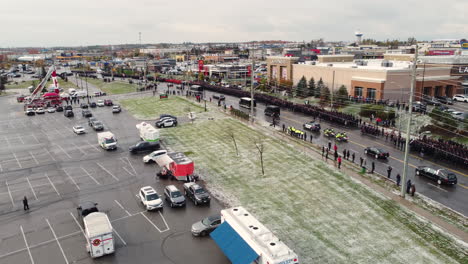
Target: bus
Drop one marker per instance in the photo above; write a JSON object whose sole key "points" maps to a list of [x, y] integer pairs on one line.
{"points": [[246, 102], [272, 110]]}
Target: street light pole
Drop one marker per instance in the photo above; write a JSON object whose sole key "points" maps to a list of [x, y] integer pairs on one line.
{"points": [[408, 126], [252, 91]]}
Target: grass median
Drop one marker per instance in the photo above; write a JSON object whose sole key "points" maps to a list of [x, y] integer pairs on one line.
{"points": [[115, 87], [151, 107]]}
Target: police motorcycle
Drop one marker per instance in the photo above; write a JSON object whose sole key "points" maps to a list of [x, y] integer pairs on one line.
{"points": [[329, 132], [341, 137]]}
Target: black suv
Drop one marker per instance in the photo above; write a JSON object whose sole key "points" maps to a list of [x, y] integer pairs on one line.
{"points": [[84, 105], [376, 152], [144, 146], [68, 107], [86, 113], [59, 109], [97, 125], [92, 105], [85, 209], [440, 176], [68, 113]]}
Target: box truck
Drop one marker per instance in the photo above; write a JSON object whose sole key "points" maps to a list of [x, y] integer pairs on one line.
{"points": [[107, 140], [99, 234]]}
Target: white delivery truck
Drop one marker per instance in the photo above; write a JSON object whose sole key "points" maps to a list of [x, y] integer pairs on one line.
{"points": [[244, 239], [99, 236], [107, 140], [148, 132]]}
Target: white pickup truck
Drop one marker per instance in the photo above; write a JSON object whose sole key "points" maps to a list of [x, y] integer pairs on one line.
{"points": [[99, 234]]}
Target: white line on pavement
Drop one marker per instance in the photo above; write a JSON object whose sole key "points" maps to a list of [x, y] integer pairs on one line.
{"points": [[32, 189], [56, 239], [92, 146], [64, 151], [1, 168], [125, 168], [90, 176], [129, 214], [84, 153], [121, 239], [51, 183], [130, 163], [8, 142], [150, 222], [438, 187], [19, 164], [22, 142], [34, 136], [27, 246], [51, 155], [9, 192], [102, 167], [167, 226], [69, 176], [30, 153]]}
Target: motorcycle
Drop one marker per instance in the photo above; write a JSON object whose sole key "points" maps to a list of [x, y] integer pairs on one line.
{"points": [[341, 137], [329, 133]]}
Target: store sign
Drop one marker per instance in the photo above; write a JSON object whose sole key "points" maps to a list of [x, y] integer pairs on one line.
{"points": [[464, 45], [459, 70]]}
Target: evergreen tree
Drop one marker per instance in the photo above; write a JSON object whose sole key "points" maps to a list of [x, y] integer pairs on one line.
{"points": [[342, 96], [3, 81], [311, 87], [319, 88], [324, 95], [301, 89]]}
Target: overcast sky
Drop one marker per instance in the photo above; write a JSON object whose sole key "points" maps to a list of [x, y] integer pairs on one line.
{"points": [[89, 22]]}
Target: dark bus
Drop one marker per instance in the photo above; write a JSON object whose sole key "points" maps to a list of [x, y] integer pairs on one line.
{"points": [[246, 102], [272, 110]]}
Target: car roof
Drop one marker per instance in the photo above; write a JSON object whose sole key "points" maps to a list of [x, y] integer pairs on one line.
{"points": [[172, 188], [213, 218]]}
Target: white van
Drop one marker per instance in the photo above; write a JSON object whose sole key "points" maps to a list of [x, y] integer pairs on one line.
{"points": [[71, 91]]}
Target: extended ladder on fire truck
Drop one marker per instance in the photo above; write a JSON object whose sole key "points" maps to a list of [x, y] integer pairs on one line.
{"points": [[43, 82]]}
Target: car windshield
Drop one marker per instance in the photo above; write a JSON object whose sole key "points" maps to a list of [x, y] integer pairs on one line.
{"points": [[451, 176], [109, 140], [206, 221], [97, 123], [79, 127], [152, 197], [199, 191], [176, 194]]}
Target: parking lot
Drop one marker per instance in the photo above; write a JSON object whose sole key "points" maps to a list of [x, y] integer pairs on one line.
{"points": [[43, 159]]}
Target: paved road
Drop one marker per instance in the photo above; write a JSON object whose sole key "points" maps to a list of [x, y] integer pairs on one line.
{"points": [[57, 170], [455, 197]]}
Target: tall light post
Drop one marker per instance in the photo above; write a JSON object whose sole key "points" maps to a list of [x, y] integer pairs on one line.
{"points": [[252, 90], [408, 125]]}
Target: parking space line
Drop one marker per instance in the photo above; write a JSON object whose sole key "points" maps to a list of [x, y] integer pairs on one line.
{"points": [[1, 168], [8, 142], [22, 142], [9, 192], [56, 239], [150, 222], [129, 214], [125, 168], [27, 246], [19, 164], [117, 179], [167, 226], [51, 183], [69, 176], [34, 158], [64, 151], [84, 153], [32, 189], [51, 155], [92, 146], [129, 163], [34, 136], [90, 176], [121, 239]]}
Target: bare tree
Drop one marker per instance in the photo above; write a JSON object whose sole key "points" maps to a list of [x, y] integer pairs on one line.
{"points": [[259, 144], [231, 134]]}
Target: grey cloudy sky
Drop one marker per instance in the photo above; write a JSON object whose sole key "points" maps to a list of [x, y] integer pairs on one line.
{"points": [[89, 22]]}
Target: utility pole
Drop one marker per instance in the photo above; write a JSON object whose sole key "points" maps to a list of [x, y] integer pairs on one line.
{"points": [[332, 89], [252, 89], [408, 125]]}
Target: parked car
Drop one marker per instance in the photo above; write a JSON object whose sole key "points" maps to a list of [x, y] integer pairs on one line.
{"points": [[150, 198], [444, 100], [91, 120], [79, 130], [460, 98], [152, 156], [312, 126], [206, 226], [431, 101], [196, 193], [85, 209], [441, 176], [50, 110], [219, 97], [86, 113], [144, 146], [30, 112], [68, 107], [92, 104], [84, 105], [166, 122], [458, 115], [419, 107], [173, 196], [100, 103], [97, 125], [59, 109], [40, 111], [377, 153], [108, 102], [68, 113], [116, 109]]}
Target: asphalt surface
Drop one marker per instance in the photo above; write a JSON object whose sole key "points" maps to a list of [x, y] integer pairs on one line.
{"points": [[454, 197], [57, 170]]}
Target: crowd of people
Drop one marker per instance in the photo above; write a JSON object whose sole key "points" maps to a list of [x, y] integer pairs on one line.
{"points": [[440, 149]]}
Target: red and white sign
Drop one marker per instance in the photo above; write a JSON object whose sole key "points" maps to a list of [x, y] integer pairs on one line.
{"points": [[96, 242], [440, 52], [200, 65]]}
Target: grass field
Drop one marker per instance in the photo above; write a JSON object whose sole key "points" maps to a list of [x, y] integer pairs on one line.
{"points": [[152, 107], [20, 85], [26, 84], [322, 214], [113, 87]]}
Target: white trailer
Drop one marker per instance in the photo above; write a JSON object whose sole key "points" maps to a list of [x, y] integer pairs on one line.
{"points": [[148, 132], [99, 236], [107, 140], [244, 240]]}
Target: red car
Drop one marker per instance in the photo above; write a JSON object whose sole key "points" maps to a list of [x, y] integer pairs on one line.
{"points": [[20, 99], [108, 102]]}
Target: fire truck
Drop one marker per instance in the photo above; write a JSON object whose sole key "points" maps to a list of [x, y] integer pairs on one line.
{"points": [[51, 98]]}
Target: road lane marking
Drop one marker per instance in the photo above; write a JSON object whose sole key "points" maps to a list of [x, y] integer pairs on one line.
{"points": [[90, 176], [71, 178], [464, 186], [9, 192], [34, 193], [51, 183], [102, 167], [56, 239], [30, 153], [129, 214], [121, 239], [26, 243], [150, 222], [16, 158], [436, 186]]}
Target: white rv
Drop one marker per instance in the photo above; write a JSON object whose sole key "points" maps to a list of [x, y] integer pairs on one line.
{"points": [[99, 236], [244, 239], [148, 132]]}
